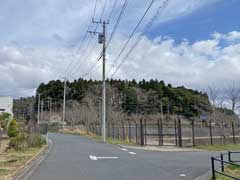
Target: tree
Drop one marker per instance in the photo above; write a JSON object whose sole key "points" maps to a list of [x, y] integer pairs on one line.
{"points": [[233, 94], [4, 118], [213, 94], [12, 130], [130, 104]]}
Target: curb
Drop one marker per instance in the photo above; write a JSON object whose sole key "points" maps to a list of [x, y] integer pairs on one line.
{"points": [[28, 170], [160, 150], [23, 172], [205, 176]]}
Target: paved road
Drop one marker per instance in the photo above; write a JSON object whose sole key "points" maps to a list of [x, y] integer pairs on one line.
{"points": [[69, 160]]}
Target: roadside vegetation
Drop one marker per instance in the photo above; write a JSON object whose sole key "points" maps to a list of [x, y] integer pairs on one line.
{"points": [[18, 146], [233, 170], [226, 147], [81, 132]]}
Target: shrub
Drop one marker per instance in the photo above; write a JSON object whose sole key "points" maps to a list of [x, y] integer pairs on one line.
{"points": [[35, 140], [18, 142], [23, 140], [12, 130], [4, 119]]}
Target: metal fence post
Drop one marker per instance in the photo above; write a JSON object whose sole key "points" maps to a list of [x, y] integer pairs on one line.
{"points": [[94, 128], [113, 131], [210, 129], [141, 133], [175, 127], [233, 133], [100, 130], [118, 129], [130, 131], [159, 134], [123, 131], [145, 131], [136, 133], [179, 132], [193, 134], [161, 131], [229, 156], [108, 127], [222, 163], [213, 169]]}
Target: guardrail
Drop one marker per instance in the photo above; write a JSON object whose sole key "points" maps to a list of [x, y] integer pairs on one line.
{"points": [[229, 161]]}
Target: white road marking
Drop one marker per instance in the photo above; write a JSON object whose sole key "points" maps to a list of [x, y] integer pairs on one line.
{"points": [[182, 175], [123, 149], [95, 158], [133, 153]]}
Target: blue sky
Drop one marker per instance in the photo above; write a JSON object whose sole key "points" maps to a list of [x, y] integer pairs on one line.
{"points": [[222, 16], [190, 43]]}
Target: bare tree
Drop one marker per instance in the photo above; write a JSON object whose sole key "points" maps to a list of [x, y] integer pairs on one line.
{"points": [[214, 96], [233, 94]]}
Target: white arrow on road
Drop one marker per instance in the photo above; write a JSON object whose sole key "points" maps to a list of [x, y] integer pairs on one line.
{"points": [[95, 158]]}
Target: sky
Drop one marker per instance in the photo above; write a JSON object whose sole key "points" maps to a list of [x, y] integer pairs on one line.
{"points": [[191, 43]]}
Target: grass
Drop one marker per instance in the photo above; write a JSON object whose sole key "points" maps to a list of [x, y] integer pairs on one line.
{"points": [[96, 137], [233, 170], [11, 160], [227, 147]]}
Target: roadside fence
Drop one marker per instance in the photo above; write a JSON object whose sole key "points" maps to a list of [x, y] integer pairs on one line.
{"points": [[219, 164]]}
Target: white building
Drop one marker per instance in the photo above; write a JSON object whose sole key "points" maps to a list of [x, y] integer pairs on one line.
{"points": [[6, 104]]}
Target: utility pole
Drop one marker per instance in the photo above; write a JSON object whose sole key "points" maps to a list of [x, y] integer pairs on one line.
{"points": [[64, 99], [39, 99], [50, 107], [102, 40], [42, 105]]}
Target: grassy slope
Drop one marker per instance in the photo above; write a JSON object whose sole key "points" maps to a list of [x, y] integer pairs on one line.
{"points": [[12, 160], [95, 137], [231, 170]]}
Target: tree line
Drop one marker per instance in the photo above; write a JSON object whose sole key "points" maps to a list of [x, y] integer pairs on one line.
{"points": [[135, 97]]}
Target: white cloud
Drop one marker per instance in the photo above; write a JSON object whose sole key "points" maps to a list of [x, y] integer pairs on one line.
{"points": [[233, 36], [63, 22], [195, 65], [36, 36]]}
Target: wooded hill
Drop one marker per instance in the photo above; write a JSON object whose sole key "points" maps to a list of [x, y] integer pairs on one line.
{"points": [[131, 96]]}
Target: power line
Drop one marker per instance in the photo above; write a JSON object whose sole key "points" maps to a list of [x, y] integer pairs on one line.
{"points": [[104, 7], [111, 36], [146, 29], [132, 34], [80, 48], [83, 40], [116, 24], [111, 12], [92, 67], [95, 7], [94, 46], [75, 69], [90, 70], [102, 40], [86, 56]]}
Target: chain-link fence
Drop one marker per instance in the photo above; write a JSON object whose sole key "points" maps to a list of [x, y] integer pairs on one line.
{"points": [[146, 124]]}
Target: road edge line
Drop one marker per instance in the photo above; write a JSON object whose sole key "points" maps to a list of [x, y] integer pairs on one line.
{"points": [[28, 169]]}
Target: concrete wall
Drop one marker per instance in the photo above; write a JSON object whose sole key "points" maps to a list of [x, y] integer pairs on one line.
{"points": [[6, 104]]}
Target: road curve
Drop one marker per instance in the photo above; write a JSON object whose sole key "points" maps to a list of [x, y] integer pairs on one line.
{"points": [[70, 159]]}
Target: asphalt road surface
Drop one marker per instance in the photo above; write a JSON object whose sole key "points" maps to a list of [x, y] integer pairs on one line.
{"points": [[80, 158]]}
